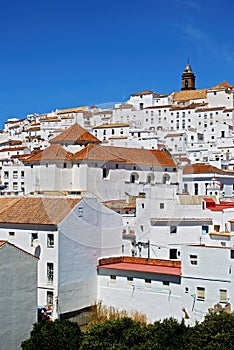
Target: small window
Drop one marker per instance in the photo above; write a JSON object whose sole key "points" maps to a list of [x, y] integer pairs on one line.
{"points": [[80, 211], [34, 236], [222, 295], [50, 272], [130, 279], [105, 172], [147, 280], [166, 283], [200, 293], [50, 297], [143, 205], [161, 205], [11, 234], [50, 240], [64, 165], [186, 290], [173, 229], [113, 277], [205, 229], [173, 253], [193, 259]]}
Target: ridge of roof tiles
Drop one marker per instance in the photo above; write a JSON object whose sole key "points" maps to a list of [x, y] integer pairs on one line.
{"points": [[75, 134], [36, 211], [201, 168], [125, 155], [53, 152]]}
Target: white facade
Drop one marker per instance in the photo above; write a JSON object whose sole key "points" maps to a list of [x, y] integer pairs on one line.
{"points": [[18, 295], [68, 250]]}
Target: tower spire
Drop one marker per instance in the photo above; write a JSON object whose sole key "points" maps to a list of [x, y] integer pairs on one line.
{"points": [[188, 78]]}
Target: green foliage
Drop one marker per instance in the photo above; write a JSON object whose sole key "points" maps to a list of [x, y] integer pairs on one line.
{"points": [[59, 335], [123, 333], [215, 332]]}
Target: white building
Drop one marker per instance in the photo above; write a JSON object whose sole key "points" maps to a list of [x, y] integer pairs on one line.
{"points": [[18, 295], [68, 235]]}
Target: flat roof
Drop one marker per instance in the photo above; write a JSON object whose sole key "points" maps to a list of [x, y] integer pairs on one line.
{"points": [[156, 269]]}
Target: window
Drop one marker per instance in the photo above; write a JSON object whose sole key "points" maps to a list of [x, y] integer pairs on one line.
{"points": [[15, 174], [64, 165], [200, 293], [113, 131], [34, 236], [193, 259], [222, 295], [11, 234], [134, 177], [15, 186], [173, 254], [216, 228], [105, 172], [205, 229], [166, 179], [50, 272], [161, 205], [80, 211], [50, 240], [22, 174], [173, 229], [147, 280], [166, 283], [196, 189], [186, 290], [143, 205], [50, 297], [6, 174], [113, 278]]}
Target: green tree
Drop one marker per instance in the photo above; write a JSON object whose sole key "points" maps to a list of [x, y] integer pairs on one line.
{"points": [[215, 332], [59, 335], [121, 334]]}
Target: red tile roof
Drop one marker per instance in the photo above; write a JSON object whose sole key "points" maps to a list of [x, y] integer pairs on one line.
{"points": [[75, 135], [125, 155], [54, 152], [201, 168], [36, 211]]}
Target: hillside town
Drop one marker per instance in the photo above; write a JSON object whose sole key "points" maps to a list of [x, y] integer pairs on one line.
{"points": [[131, 205]]}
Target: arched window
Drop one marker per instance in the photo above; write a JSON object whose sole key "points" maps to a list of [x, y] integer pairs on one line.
{"points": [[166, 179], [150, 178], [134, 178]]}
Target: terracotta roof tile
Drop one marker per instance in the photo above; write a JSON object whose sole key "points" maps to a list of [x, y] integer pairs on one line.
{"points": [[189, 95], [116, 125], [125, 155], [72, 110], [146, 92], [36, 211], [221, 86], [201, 168], [54, 152], [75, 135]]}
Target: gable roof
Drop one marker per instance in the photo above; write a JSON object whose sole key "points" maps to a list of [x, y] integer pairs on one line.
{"points": [[36, 211], [125, 155], [75, 135], [201, 168], [221, 86], [54, 152]]}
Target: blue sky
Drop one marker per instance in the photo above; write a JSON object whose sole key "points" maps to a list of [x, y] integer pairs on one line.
{"points": [[61, 54]]}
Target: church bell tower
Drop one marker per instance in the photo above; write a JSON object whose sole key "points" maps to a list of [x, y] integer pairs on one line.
{"points": [[188, 78]]}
